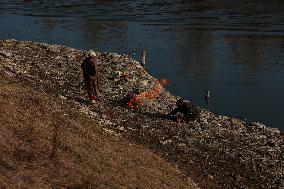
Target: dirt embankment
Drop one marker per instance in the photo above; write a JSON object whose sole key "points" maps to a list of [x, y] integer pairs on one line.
{"points": [[45, 144], [215, 151]]}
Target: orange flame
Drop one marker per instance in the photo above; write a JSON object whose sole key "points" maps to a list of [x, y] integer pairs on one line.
{"points": [[155, 92]]}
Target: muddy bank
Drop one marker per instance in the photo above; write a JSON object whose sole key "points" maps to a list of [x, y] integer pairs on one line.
{"points": [[215, 151]]}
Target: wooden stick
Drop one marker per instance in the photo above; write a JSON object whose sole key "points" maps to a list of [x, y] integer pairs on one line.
{"points": [[143, 59]]}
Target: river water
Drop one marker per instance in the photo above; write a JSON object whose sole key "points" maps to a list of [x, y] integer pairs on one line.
{"points": [[234, 48]]}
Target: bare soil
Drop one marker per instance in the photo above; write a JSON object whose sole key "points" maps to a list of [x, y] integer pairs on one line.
{"points": [[45, 144]]}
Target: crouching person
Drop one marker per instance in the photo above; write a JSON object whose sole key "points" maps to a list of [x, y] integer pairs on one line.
{"points": [[91, 75], [189, 111]]}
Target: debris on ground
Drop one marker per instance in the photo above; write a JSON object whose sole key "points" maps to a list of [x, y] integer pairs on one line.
{"points": [[215, 151]]}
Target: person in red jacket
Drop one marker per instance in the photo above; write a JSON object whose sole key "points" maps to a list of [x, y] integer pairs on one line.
{"points": [[91, 75]]}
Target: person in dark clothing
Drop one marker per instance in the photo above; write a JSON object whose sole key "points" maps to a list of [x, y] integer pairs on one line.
{"points": [[189, 111], [91, 75]]}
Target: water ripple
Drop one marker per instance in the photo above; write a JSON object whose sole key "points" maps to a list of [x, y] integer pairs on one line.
{"points": [[229, 14]]}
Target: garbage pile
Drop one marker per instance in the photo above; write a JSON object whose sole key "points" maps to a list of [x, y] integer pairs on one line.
{"points": [[216, 151]]}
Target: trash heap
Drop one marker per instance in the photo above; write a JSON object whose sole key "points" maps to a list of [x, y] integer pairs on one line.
{"points": [[215, 151]]}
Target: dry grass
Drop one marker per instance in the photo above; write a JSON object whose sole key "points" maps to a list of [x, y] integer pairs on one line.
{"points": [[44, 144]]}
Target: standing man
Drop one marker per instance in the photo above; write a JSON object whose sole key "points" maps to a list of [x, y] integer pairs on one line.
{"points": [[91, 75]]}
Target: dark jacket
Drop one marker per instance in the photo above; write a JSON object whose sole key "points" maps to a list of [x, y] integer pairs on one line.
{"points": [[190, 112], [89, 67]]}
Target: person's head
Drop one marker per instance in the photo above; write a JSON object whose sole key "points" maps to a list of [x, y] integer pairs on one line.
{"points": [[92, 53], [179, 102]]}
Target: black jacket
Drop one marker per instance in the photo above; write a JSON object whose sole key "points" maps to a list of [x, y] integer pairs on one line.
{"points": [[189, 111], [89, 67]]}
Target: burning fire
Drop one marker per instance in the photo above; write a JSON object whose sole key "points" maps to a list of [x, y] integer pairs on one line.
{"points": [[153, 93]]}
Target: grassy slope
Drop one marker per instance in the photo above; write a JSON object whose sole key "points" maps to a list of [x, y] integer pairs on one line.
{"points": [[44, 144]]}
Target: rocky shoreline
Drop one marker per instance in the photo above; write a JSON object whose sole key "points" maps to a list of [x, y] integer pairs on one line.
{"points": [[215, 151]]}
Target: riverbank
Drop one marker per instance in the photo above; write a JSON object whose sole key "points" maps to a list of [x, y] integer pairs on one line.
{"points": [[215, 151], [46, 144]]}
